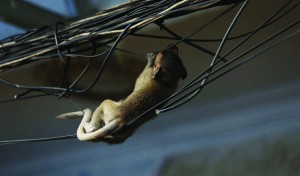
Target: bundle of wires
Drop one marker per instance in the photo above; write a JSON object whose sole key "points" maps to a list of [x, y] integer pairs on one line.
{"points": [[75, 36]]}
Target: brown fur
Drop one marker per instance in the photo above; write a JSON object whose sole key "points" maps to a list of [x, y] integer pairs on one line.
{"points": [[157, 82]]}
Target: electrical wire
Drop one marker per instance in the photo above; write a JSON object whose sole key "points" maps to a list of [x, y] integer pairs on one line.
{"points": [[115, 21]]}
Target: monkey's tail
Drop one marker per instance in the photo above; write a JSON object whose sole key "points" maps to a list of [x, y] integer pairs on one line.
{"points": [[74, 115], [92, 136]]}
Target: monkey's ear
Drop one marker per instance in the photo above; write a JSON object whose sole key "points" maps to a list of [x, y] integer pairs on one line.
{"points": [[184, 73], [151, 58], [182, 69]]}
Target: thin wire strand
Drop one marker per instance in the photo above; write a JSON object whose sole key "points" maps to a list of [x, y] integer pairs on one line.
{"points": [[33, 140]]}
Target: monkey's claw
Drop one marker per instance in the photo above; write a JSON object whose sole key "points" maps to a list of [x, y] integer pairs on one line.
{"points": [[89, 128]]}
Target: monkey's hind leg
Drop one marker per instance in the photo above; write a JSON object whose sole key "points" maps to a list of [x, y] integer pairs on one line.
{"points": [[101, 124], [98, 134], [91, 127]]}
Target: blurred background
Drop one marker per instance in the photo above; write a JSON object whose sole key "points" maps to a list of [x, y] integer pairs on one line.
{"points": [[245, 123]]}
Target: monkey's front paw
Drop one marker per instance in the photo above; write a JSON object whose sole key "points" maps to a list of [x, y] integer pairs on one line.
{"points": [[90, 128]]}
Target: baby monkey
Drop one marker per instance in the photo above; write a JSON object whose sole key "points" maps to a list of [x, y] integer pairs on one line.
{"points": [[157, 82]]}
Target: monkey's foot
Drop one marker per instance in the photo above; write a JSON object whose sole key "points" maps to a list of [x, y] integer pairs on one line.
{"points": [[89, 132], [88, 127]]}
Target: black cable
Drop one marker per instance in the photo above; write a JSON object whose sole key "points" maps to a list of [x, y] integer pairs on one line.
{"points": [[196, 80], [80, 76], [60, 89], [140, 117], [121, 36], [190, 90], [235, 47], [214, 60], [33, 140], [219, 39], [8, 142]]}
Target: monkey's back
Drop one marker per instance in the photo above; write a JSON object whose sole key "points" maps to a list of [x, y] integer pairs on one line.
{"points": [[147, 93]]}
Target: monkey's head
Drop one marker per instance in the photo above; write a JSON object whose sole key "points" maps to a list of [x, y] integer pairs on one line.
{"points": [[168, 67]]}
